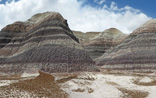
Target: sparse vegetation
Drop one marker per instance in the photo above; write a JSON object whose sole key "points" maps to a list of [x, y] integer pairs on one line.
{"points": [[10, 77], [133, 93], [45, 85], [151, 83], [90, 90], [79, 90], [41, 86], [111, 83]]}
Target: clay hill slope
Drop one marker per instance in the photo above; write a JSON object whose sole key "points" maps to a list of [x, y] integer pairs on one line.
{"points": [[103, 41], [44, 42], [136, 52], [85, 37]]}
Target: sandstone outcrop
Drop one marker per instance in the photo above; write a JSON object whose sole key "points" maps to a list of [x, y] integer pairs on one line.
{"points": [[103, 41], [137, 52], [44, 42]]}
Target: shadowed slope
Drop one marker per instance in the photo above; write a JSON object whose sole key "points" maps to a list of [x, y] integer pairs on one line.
{"points": [[103, 41]]}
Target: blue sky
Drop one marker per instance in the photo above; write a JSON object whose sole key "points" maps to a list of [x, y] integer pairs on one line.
{"points": [[83, 15], [146, 6], [4, 1]]}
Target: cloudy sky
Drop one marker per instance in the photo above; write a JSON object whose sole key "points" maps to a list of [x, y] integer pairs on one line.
{"points": [[83, 15]]}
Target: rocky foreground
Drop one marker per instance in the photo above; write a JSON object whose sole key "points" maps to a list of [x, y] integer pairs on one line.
{"points": [[80, 85]]}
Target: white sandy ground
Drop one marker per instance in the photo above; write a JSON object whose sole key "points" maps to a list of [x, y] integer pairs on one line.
{"points": [[5, 82], [105, 86], [24, 75], [98, 85], [29, 75], [146, 80]]}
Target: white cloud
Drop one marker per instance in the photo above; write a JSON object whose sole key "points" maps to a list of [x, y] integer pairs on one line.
{"points": [[113, 6], [79, 18], [99, 1], [102, 1]]}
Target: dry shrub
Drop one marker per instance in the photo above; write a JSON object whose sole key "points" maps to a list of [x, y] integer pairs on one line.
{"points": [[133, 93], [90, 90], [152, 83], [10, 77], [112, 83], [79, 90]]}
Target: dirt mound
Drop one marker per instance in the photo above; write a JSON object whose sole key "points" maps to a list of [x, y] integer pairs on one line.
{"points": [[41, 86]]}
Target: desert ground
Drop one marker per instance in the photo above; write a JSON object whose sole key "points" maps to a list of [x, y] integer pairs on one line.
{"points": [[106, 84]]}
